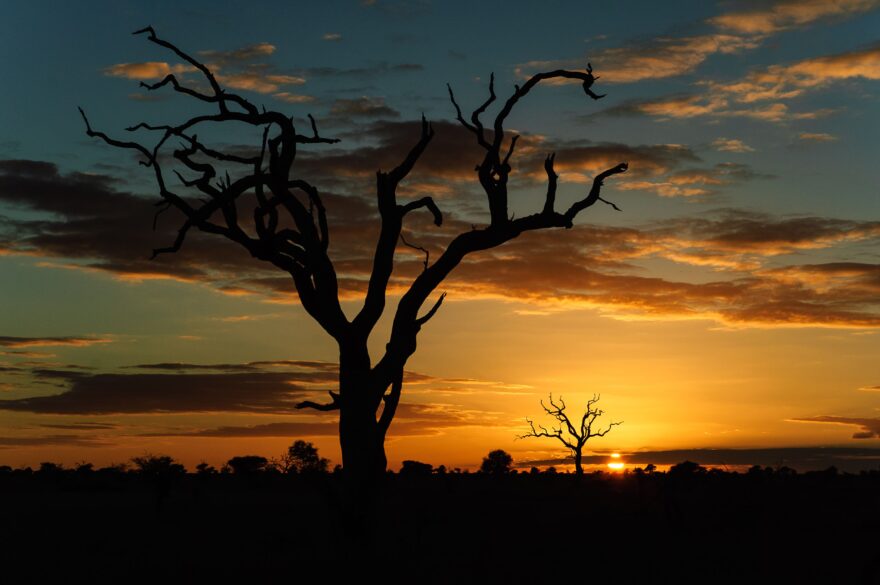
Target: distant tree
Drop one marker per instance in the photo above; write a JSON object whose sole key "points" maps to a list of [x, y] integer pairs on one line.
{"points": [[410, 467], [204, 469], [49, 469], [161, 471], [260, 202], [302, 457], [572, 436], [497, 462], [115, 470], [686, 469], [83, 467], [247, 464], [164, 466]]}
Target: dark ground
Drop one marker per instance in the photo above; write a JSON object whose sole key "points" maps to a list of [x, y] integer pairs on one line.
{"points": [[697, 527]]}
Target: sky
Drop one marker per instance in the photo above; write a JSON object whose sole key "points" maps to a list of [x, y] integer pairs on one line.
{"points": [[732, 303]]}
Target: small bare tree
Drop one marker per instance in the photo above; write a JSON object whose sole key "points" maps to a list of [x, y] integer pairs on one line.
{"points": [[572, 437]]}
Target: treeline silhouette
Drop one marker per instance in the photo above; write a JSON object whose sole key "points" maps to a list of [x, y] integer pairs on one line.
{"points": [[302, 458], [263, 520]]}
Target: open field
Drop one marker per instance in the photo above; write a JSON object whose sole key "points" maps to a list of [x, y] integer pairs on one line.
{"points": [[702, 527]]}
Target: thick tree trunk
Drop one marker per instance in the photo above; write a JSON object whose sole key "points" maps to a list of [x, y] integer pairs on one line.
{"points": [[362, 442], [363, 458], [578, 466], [363, 445]]}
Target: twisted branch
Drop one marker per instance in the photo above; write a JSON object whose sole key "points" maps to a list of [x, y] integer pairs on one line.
{"points": [[324, 407]]}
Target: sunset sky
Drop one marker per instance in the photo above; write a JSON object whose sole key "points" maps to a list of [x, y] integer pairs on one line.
{"points": [[734, 302]]}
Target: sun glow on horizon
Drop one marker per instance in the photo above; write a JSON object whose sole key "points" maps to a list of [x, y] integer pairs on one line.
{"points": [[616, 465]]}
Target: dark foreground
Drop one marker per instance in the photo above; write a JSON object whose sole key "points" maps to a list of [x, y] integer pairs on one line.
{"points": [[693, 527]]}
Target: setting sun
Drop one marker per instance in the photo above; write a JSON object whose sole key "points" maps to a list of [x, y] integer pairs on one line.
{"points": [[616, 465]]}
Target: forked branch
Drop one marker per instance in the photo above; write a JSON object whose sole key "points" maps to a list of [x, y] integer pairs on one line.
{"points": [[301, 251]]}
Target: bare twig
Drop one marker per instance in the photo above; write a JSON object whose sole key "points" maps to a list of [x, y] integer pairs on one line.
{"points": [[414, 247]]}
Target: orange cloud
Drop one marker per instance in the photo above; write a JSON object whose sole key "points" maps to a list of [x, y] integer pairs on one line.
{"points": [[250, 77], [664, 189], [144, 71], [667, 57], [692, 106], [731, 145], [672, 56], [787, 81], [16, 342], [247, 53], [869, 427], [782, 15], [662, 58], [816, 137], [258, 81], [293, 98], [691, 182]]}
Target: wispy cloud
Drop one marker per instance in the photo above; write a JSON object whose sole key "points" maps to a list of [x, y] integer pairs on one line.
{"points": [[734, 32], [731, 145], [70, 440], [52, 341], [410, 420], [816, 137], [761, 94], [869, 427], [246, 53], [235, 69], [293, 98], [363, 107], [692, 182], [773, 17], [257, 392], [658, 59], [258, 81], [779, 82], [150, 70]]}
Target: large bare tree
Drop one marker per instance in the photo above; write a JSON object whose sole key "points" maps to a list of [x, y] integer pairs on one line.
{"points": [[288, 228]]}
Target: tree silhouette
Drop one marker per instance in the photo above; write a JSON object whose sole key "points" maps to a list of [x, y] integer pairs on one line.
{"points": [[302, 457], [287, 227], [414, 468], [573, 437], [247, 464], [157, 466], [497, 462]]}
